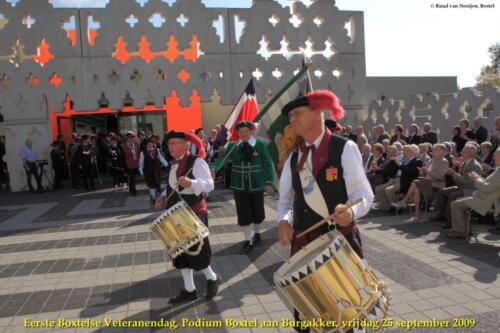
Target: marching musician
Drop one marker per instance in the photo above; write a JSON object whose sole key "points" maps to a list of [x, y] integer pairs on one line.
{"points": [[333, 163], [252, 174], [191, 175], [131, 152], [150, 162], [115, 159], [88, 163]]}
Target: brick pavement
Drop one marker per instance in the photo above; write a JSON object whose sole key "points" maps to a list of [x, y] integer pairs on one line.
{"points": [[91, 256]]}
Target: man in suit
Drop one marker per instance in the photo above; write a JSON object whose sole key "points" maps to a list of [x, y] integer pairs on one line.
{"points": [[480, 132], [398, 135], [487, 194], [349, 134], [428, 134], [464, 186], [413, 137]]}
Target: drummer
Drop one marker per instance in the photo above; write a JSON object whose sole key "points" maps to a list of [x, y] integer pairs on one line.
{"points": [[191, 187], [335, 163]]}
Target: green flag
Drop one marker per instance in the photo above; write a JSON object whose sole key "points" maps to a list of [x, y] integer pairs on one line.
{"points": [[272, 123]]}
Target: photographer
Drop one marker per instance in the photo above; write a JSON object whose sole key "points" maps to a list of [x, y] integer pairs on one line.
{"points": [[28, 156]]}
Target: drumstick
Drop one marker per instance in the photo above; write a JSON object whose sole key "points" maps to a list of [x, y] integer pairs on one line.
{"points": [[323, 221], [177, 185]]}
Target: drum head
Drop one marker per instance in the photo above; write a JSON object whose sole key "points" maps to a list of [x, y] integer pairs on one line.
{"points": [[298, 262]]}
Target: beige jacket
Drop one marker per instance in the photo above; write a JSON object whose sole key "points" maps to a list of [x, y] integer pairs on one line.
{"points": [[435, 169], [487, 194]]}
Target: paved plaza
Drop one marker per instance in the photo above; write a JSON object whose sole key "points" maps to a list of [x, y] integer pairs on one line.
{"points": [[91, 256]]}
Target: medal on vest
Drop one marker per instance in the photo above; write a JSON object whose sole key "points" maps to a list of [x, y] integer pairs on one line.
{"points": [[312, 193], [332, 174]]}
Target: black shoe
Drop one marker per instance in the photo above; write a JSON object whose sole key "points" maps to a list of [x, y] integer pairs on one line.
{"points": [[446, 226], [32, 190], [495, 231], [184, 296], [212, 288], [247, 247], [436, 218], [256, 240]]}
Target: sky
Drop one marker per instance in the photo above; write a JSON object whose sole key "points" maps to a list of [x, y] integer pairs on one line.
{"points": [[409, 37]]}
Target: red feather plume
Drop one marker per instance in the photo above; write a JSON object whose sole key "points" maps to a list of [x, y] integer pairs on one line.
{"points": [[191, 137], [326, 100]]}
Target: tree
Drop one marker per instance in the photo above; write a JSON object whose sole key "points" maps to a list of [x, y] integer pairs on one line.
{"points": [[490, 75]]}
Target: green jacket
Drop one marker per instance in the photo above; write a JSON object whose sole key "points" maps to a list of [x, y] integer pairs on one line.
{"points": [[249, 176]]}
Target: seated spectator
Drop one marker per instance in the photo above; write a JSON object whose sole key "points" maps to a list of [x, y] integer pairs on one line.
{"points": [[384, 172], [486, 158], [464, 185], [495, 134], [432, 180], [408, 171], [386, 144], [361, 140], [398, 135], [413, 137], [399, 148], [376, 159], [409, 168], [465, 131], [349, 134], [380, 134], [365, 156], [458, 139], [487, 194], [360, 130], [448, 179], [480, 132], [423, 153], [428, 135]]}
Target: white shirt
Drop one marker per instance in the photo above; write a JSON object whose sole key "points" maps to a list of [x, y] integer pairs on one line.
{"points": [[202, 182], [141, 161], [252, 141], [357, 185]]}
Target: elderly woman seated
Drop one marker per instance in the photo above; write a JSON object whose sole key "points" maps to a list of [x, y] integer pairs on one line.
{"points": [[424, 150], [432, 179], [376, 159], [486, 158]]}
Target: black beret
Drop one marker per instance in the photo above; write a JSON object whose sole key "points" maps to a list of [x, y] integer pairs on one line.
{"points": [[176, 135], [244, 123], [298, 102]]}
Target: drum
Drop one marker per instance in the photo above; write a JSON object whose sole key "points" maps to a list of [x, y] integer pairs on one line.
{"points": [[179, 228], [327, 280]]}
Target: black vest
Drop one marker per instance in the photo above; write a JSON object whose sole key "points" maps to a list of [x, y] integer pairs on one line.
{"points": [[190, 199], [150, 164], [334, 192]]}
